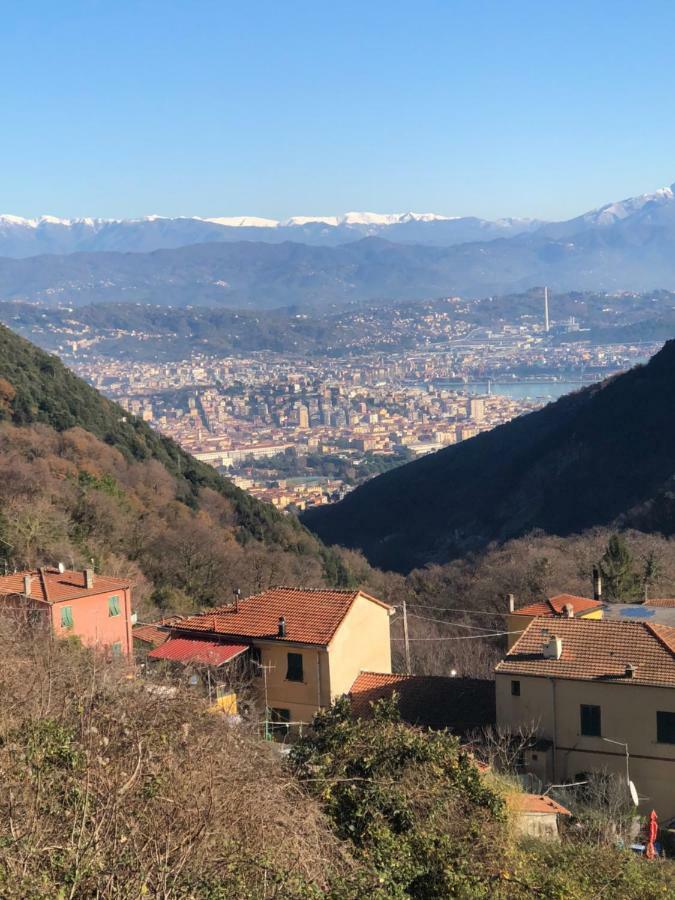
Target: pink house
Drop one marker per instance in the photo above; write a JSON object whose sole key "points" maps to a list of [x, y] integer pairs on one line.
{"points": [[92, 607]]}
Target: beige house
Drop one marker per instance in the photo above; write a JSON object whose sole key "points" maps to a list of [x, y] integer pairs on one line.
{"points": [[600, 695], [301, 648]]}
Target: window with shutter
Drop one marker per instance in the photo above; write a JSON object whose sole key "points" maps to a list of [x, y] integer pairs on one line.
{"points": [[294, 671], [66, 617], [113, 606]]}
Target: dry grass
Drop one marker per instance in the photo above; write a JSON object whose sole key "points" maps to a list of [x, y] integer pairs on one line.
{"points": [[110, 791]]}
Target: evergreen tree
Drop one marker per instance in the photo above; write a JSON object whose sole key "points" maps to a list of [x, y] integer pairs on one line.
{"points": [[621, 582]]}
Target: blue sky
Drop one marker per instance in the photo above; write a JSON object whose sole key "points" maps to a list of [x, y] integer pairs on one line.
{"points": [[214, 107]]}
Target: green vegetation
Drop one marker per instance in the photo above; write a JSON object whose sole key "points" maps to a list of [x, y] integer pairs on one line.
{"points": [[82, 479], [110, 790], [329, 465]]}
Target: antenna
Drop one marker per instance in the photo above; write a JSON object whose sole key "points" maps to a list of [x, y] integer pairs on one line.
{"points": [[546, 321]]}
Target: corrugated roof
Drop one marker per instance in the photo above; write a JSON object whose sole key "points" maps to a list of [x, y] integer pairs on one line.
{"points": [[596, 650], [191, 650], [312, 616], [535, 803], [554, 606], [52, 586], [155, 633], [431, 701]]}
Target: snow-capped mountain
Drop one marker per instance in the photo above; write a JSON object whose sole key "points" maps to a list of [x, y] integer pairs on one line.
{"points": [[21, 237]]}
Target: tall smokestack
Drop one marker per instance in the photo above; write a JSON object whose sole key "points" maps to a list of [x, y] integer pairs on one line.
{"points": [[597, 584], [546, 321]]}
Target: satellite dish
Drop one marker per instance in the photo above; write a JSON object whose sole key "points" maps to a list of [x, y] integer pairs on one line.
{"points": [[62, 568], [633, 794]]}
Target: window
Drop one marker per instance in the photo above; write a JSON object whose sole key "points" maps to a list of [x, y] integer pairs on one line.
{"points": [[113, 606], [256, 661], [116, 648], [294, 672], [590, 721], [66, 617], [515, 689], [665, 727]]}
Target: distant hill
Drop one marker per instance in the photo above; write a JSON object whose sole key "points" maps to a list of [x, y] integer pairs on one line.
{"points": [[605, 454], [38, 391], [334, 260], [21, 237], [263, 276]]}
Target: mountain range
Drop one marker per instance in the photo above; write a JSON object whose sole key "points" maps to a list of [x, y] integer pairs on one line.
{"points": [[360, 257], [602, 456], [21, 237]]}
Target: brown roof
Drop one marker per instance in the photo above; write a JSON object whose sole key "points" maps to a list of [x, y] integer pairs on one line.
{"points": [[191, 650], [155, 633], [535, 803], [663, 602], [312, 616], [596, 650], [52, 586], [430, 701], [554, 606]]}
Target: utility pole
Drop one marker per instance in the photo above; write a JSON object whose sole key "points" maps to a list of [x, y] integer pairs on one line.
{"points": [[405, 639]]}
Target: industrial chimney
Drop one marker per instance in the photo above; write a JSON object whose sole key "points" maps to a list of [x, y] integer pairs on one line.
{"points": [[281, 632], [597, 584]]}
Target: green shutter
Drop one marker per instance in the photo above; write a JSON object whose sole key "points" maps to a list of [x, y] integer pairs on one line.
{"points": [[113, 606], [66, 617]]}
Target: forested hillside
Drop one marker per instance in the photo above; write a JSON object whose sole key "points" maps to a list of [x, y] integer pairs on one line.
{"points": [[81, 479], [599, 456]]}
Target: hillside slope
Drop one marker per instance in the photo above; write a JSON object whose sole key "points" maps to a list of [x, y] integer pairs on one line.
{"points": [[621, 257], [52, 420], [603, 454]]}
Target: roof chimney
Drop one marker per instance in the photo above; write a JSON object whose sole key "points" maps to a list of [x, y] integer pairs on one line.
{"points": [[553, 648], [281, 631], [88, 579], [512, 602], [631, 669], [27, 582], [597, 584], [568, 611]]}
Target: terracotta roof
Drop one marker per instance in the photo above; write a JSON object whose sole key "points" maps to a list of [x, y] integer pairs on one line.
{"points": [[430, 701], [535, 803], [191, 650], [52, 586], [596, 650], [663, 602], [155, 633], [554, 606], [312, 616]]}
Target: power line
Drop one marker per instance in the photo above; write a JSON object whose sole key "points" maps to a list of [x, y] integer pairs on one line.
{"points": [[474, 612], [451, 624], [462, 637]]}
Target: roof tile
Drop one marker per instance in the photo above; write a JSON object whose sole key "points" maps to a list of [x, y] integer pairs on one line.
{"points": [[596, 650], [59, 586], [312, 616]]}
